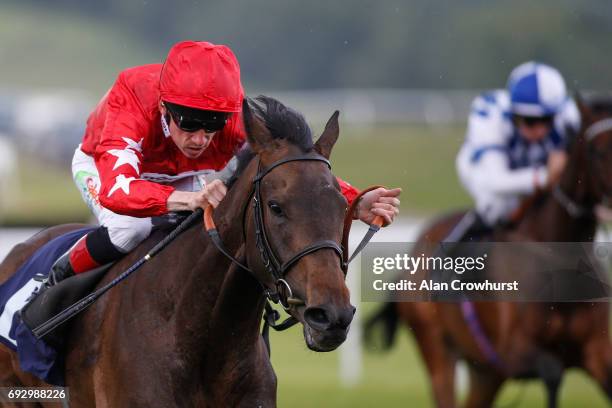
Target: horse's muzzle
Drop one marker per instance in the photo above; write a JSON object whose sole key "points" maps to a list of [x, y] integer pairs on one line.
{"points": [[325, 328]]}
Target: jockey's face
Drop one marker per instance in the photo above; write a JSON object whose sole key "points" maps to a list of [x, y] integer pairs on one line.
{"points": [[191, 144], [533, 129]]}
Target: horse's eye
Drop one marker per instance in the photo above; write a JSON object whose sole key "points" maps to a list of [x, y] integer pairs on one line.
{"points": [[276, 209]]}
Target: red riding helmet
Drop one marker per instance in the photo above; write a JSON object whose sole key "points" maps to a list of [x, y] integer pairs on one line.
{"points": [[203, 76]]}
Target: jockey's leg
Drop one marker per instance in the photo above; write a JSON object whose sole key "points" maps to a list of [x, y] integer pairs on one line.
{"points": [[117, 235]]}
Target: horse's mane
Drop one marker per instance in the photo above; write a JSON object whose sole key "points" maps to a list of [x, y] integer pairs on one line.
{"points": [[282, 122]]}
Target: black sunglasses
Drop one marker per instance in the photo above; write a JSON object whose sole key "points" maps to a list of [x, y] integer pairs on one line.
{"points": [[210, 121], [531, 121]]}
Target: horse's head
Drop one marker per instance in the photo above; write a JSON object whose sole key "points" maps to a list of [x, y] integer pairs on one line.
{"points": [[596, 137], [294, 222]]}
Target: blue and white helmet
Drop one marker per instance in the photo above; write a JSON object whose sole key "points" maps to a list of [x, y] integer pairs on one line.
{"points": [[536, 90]]}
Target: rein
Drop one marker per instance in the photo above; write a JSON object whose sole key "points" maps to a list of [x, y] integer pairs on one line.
{"points": [[574, 209]]}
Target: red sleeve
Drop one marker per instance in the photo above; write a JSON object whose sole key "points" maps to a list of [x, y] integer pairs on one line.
{"points": [[349, 192], [119, 158]]}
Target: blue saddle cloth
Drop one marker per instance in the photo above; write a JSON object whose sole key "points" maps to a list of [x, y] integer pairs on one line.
{"points": [[35, 356]]}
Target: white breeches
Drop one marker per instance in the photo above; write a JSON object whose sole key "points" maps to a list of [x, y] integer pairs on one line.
{"points": [[125, 232]]}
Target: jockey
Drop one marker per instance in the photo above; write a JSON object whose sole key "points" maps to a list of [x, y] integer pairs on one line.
{"points": [[515, 144], [162, 140]]}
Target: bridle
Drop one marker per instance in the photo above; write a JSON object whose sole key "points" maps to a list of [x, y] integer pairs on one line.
{"points": [[275, 268], [282, 292], [273, 265], [574, 209]]}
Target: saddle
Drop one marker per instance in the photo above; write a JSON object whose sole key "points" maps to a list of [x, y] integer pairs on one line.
{"points": [[52, 300]]}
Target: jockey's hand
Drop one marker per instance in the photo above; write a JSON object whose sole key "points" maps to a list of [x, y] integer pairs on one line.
{"points": [[556, 163], [381, 202], [211, 194]]}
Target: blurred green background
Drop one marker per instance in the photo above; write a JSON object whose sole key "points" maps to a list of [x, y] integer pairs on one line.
{"points": [[292, 45]]}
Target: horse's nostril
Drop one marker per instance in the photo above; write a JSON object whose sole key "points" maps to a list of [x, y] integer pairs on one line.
{"points": [[317, 318], [346, 317]]}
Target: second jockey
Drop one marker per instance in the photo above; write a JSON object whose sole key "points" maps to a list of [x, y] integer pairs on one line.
{"points": [[515, 144], [161, 140]]}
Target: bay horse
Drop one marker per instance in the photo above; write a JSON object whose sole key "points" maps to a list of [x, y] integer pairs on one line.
{"points": [[185, 329], [533, 340]]}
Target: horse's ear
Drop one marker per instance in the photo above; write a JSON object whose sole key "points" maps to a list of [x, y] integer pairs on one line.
{"points": [[257, 133], [583, 108], [329, 136]]}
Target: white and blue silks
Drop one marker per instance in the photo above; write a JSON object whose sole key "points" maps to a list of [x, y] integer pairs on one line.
{"points": [[497, 165]]}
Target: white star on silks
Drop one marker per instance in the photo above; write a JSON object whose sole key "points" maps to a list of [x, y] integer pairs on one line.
{"points": [[123, 183], [132, 144], [128, 154]]}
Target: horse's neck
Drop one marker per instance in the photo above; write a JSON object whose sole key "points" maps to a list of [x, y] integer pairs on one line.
{"points": [[551, 221], [220, 306], [235, 321]]}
